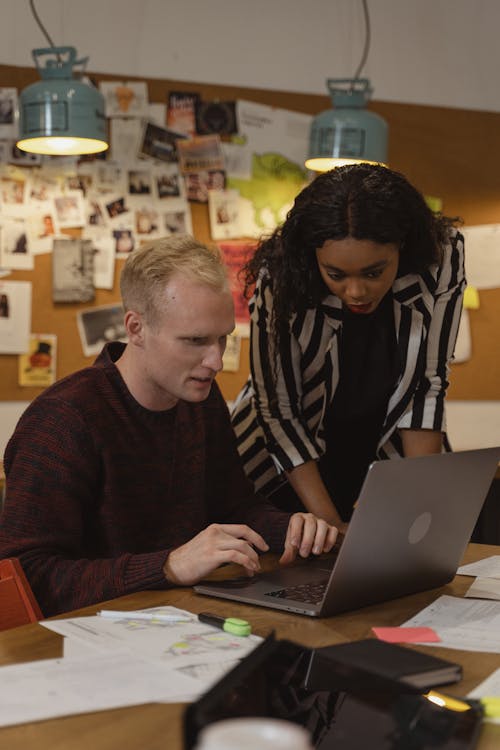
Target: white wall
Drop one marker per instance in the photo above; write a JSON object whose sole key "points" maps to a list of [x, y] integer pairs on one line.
{"points": [[435, 52]]}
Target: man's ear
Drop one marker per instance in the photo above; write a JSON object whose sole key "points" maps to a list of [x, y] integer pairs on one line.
{"points": [[134, 325]]}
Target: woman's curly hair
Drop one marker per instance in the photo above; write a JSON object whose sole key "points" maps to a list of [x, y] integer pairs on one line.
{"points": [[363, 201]]}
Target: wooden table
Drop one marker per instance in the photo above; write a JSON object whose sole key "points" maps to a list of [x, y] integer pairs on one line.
{"points": [[159, 726]]}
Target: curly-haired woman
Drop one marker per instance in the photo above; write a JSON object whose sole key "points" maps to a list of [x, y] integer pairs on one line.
{"points": [[354, 319]]}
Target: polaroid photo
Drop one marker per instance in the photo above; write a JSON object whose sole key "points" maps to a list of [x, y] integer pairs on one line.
{"points": [[124, 241], [159, 143], [98, 326], [167, 182], [37, 368], [116, 208], [146, 221], [224, 214], [216, 117], [79, 181], [104, 256], [41, 230], [125, 139], [181, 112], [41, 188], [95, 211], [9, 113], [198, 184], [13, 194], [125, 98], [199, 153], [14, 249], [72, 270], [109, 178], [176, 221], [238, 160], [15, 316], [139, 181], [70, 209]]}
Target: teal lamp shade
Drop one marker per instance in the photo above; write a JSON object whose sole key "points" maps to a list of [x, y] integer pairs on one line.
{"points": [[348, 133], [61, 115]]}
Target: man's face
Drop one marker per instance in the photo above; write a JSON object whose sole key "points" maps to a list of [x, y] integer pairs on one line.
{"points": [[182, 350]]}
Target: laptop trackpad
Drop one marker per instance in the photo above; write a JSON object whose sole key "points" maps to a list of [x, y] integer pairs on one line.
{"points": [[303, 571]]}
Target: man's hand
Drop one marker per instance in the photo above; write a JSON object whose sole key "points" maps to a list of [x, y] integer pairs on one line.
{"points": [[215, 545], [307, 534]]}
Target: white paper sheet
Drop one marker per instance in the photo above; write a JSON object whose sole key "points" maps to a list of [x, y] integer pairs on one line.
{"points": [[484, 588], [486, 689], [482, 255], [489, 567], [178, 645], [463, 624], [15, 316], [50, 688]]}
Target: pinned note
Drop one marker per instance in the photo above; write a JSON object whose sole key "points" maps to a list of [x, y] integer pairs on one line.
{"points": [[471, 298], [407, 635]]}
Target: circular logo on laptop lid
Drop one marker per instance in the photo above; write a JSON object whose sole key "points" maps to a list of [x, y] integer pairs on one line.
{"points": [[419, 527]]}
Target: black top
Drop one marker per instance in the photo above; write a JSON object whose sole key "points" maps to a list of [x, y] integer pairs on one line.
{"points": [[369, 367]]}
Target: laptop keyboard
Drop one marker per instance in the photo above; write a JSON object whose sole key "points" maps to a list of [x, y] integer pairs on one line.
{"points": [[311, 593]]}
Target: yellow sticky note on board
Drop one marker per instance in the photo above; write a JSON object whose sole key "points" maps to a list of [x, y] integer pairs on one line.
{"points": [[471, 298]]}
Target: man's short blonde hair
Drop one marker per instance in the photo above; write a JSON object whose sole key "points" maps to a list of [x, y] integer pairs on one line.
{"points": [[148, 270]]}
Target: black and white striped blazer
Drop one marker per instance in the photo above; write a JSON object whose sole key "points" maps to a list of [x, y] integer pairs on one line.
{"points": [[278, 429]]}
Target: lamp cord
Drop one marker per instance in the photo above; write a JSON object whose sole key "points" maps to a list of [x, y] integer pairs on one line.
{"points": [[366, 48], [40, 24]]}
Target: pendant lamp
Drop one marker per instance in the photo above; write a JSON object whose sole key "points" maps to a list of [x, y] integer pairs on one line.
{"points": [[61, 115], [348, 133]]}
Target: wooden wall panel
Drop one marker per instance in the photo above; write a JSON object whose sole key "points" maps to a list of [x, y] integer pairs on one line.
{"points": [[449, 153]]}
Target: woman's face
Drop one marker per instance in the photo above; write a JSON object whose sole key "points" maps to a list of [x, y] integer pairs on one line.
{"points": [[359, 272]]}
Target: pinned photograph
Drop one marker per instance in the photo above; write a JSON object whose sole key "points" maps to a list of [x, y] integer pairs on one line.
{"points": [[168, 182], [216, 117], [181, 111], [73, 270], [104, 256], [15, 316], [139, 181], [40, 231], [37, 368], [125, 98], [202, 152], [70, 209], [109, 178], [13, 195], [236, 254], [147, 221], [198, 184], [159, 143], [9, 113], [124, 241], [95, 216], [41, 188], [223, 211], [116, 207], [14, 250], [177, 222], [100, 325]]}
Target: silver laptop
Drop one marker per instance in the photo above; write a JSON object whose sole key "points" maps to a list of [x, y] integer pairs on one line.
{"points": [[408, 533]]}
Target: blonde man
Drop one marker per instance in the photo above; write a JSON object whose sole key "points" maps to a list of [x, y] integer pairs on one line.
{"points": [[125, 476]]}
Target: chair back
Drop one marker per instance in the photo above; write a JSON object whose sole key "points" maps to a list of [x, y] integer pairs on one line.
{"points": [[18, 605]]}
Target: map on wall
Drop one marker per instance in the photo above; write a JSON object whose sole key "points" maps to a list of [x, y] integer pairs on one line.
{"points": [[266, 164]]}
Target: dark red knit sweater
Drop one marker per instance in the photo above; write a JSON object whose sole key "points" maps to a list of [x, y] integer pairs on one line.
{"points": [[99, 489]]}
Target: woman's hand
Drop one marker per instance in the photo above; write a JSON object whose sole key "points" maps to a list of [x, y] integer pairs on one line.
{"points": [[307, 534]]}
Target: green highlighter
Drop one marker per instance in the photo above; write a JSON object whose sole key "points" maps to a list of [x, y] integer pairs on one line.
{"points": [[232, 625]]}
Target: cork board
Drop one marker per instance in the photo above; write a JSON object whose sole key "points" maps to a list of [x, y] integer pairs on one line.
{"points": [[449, 153]]}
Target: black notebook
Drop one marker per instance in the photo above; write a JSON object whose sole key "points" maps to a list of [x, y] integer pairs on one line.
{"points": [[381, 664]]}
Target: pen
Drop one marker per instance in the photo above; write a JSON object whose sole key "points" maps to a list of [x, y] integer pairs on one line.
{"points": [[114, 614], [232, 625]]}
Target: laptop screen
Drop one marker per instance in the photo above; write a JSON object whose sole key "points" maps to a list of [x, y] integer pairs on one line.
{"points": [[271, 682]]}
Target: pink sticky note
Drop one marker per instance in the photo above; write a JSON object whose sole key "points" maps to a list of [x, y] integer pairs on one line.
{"points": [[407, 635]]}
